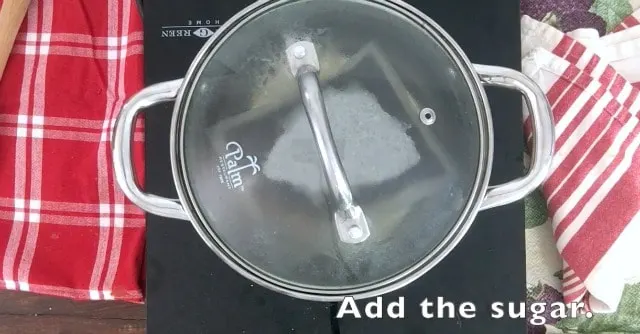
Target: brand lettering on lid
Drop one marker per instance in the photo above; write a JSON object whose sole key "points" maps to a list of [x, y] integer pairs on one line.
{"points": [[234, 164]]}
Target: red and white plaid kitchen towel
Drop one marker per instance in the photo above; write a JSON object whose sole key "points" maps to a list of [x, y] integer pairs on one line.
{"points": [[593, 192], [65, 227]]}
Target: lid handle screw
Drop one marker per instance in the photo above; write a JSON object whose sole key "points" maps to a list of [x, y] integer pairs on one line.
{"points": [[299, 52]]}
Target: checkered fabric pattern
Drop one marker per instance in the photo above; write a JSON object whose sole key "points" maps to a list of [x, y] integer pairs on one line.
{"points": [[65, 227]]}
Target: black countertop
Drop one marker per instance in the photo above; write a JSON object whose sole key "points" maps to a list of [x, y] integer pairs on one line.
{"points": [[189, 290]]}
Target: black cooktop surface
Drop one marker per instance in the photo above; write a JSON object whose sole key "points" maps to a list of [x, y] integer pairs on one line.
{"points": [[189, 290]]}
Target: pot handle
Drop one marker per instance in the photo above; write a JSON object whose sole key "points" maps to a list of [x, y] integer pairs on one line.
{"points": [[121, 146], [543, 135]]}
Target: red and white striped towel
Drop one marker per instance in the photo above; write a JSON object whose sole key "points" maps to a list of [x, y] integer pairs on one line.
{"points": [[593, 191], [631, 21], [65, 227]]}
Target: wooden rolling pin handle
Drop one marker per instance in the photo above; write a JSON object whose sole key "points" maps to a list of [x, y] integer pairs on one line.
{"points": [[12, 14]]}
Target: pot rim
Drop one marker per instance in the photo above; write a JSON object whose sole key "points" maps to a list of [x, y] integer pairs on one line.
{"points": [[292, 289]]}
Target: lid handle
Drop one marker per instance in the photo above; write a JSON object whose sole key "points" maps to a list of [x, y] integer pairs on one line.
{"points": [[350, 221]]}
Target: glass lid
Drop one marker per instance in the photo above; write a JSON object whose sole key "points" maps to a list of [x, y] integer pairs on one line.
{"points": [[329, 145]]}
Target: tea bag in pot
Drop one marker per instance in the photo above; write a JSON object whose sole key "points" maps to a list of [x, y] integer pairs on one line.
{"points": [[373, 145]]}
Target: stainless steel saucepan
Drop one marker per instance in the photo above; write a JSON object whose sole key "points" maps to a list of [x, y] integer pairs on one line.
{"points": [[332, 148]]}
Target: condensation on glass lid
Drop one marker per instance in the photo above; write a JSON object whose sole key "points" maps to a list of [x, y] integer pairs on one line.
{"points": [[273, 70], [373, 146]]}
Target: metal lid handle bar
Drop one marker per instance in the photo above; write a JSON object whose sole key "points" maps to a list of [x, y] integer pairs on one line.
{"points": [[350, 221]]}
